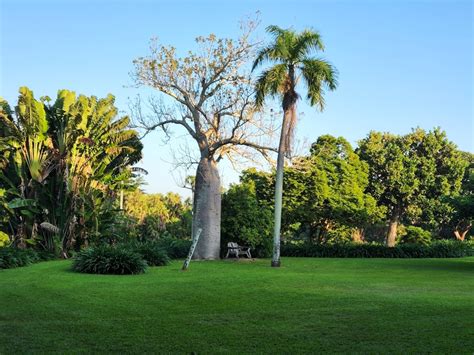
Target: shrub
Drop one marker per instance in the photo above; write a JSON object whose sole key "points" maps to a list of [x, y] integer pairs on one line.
{"points": [[416, 235], [151, 252], [11, 257], [152, 227], [339, 235], [114, 227], [45, 255], [438, 249], [175, 248], [180, 228], [109, 260]]}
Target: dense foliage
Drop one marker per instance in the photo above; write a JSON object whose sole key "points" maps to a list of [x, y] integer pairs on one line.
{"points": [[62, 164], [245, 220], [109, 260], [175, 248], [411, 173], [152, 252], [437, 249], [336, 195], [416, 235], [324, 196]]}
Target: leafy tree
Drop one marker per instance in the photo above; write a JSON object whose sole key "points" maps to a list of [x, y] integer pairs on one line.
{"points": [[332, 182], [407, 172], [160, 214], [214, 105], [324, 195], [245, 220], [291, 52]]}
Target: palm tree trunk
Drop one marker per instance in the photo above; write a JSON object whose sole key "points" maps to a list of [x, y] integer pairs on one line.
{"points": [[282, 148]]}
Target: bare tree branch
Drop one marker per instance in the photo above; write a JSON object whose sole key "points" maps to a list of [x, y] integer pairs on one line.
{"points": [[213, 90]]}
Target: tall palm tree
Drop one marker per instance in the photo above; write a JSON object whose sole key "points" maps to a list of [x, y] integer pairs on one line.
{"points": [[291, 54]]}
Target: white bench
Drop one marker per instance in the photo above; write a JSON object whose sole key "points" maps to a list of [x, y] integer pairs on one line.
{"points": [[237, 250]]}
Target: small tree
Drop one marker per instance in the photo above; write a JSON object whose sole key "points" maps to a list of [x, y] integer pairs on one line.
{"points": [[213, 97]]}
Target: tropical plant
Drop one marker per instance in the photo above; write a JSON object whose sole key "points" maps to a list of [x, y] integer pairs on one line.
{"points": [[62, 162], [291, 51]]}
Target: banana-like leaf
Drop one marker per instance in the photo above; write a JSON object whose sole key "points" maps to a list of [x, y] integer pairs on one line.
{"points": [[65, 99], [22, 203], [32, 114], [27, 213], [37, 159]]}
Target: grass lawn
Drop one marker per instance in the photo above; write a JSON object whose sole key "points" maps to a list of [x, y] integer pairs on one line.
{"points": [[308, 305]]}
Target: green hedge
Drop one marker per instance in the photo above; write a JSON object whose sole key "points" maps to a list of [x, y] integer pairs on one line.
{"points": [[437, 249]]}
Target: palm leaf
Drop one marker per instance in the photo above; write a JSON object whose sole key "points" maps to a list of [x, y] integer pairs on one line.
{"points": [[270, 82], [318, 75]]}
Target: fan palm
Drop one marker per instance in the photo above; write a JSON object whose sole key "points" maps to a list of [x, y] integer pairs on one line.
{"points": [[291, 54]]}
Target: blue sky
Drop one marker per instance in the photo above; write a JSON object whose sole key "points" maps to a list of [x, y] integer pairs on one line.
{"points": [[401, 64]]}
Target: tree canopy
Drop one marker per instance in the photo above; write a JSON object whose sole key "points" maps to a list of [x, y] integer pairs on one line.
{"points": [[410, 171]]}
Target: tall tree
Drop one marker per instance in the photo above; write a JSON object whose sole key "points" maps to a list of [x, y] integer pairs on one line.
{"points": [[292, 54], [406, 172], [213, 102]]}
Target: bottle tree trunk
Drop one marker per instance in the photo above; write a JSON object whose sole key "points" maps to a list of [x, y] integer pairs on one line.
{"points": [[207, 210], [392, 228]]}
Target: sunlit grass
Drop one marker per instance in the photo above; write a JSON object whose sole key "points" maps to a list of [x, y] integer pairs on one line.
{"points": [[308, 305]]}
